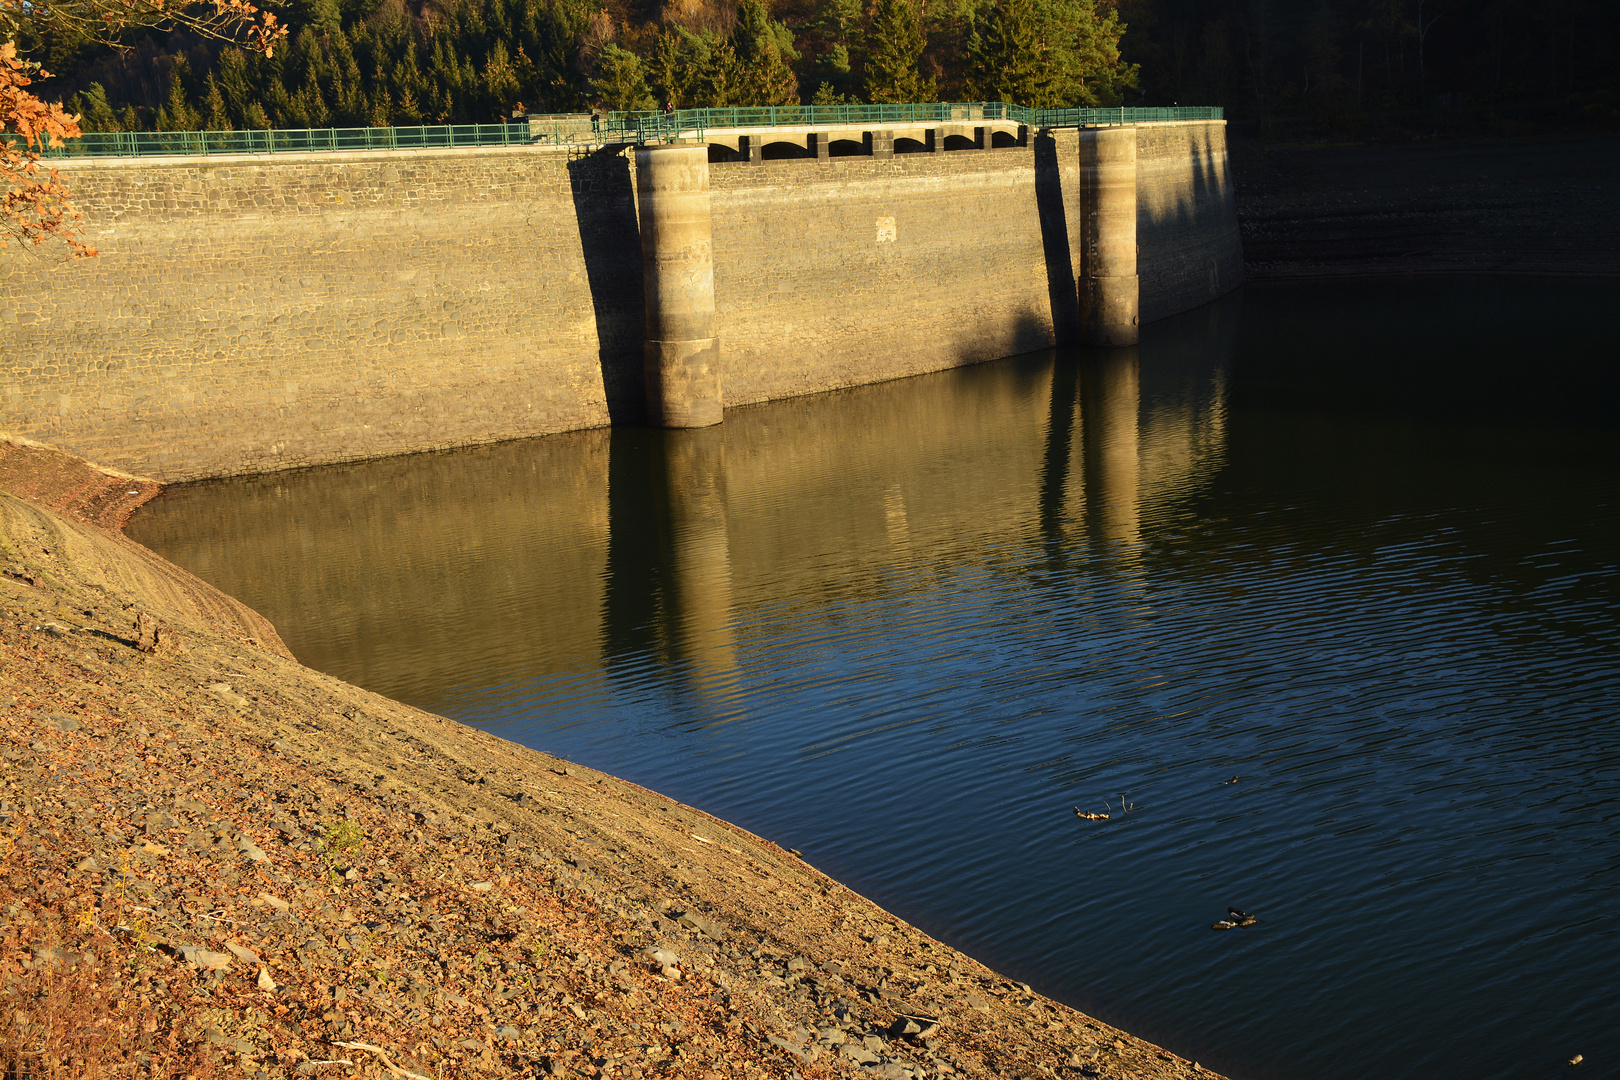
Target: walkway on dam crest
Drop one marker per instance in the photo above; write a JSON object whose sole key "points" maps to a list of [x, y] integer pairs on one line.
{"points": [[925, 124]]}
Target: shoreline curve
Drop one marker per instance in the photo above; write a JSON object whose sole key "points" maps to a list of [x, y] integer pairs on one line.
{"points": [[332, 883]]}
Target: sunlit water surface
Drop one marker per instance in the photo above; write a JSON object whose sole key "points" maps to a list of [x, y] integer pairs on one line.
{"points": [[1353, 543]]}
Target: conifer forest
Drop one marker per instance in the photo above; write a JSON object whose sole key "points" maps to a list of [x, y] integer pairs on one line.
{"points": [[356, 63]]}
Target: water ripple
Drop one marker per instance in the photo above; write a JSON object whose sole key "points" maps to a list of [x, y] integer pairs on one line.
{"points": [[907, 627]]}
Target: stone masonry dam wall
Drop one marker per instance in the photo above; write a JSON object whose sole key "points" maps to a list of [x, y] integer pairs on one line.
{"points": [[251, 314]]}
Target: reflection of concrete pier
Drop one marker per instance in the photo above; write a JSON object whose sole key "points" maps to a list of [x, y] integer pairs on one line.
{"points": [[1110, 407], [669, 572], [700, 555]]}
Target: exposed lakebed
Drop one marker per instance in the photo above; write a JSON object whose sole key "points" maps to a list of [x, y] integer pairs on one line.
{"points": [[1354, 544]]}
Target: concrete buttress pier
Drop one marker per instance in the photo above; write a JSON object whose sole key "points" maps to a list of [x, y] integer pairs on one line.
{"points": [[1110, 290], [682, 350]]}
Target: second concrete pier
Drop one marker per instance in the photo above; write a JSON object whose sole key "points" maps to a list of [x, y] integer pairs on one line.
{"points": [[677, 268], [1110, 291]]}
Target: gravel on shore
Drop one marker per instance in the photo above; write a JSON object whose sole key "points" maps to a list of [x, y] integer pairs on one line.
{"points": [[217, 862]]}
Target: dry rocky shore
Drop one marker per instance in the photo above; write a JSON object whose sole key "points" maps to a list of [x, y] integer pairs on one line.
{"points": [[217, 862]]}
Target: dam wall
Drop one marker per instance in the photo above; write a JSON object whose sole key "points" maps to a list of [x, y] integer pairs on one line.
{"points": [[250, 314]]}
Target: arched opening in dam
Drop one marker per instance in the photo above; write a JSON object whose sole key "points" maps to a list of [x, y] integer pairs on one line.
{"points": [[1320, 580], [785, 151]]}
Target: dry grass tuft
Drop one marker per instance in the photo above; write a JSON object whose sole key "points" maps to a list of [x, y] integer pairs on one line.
{"points": [[63, 1022]]}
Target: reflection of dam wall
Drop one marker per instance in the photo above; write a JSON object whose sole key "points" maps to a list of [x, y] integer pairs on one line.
{"points": [[447, 551], [932, 469], [257, 314], [547, 561]]}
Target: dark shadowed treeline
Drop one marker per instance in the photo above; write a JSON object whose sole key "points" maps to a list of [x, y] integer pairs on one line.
{"points": [[1344, 63], [1355, 62]]}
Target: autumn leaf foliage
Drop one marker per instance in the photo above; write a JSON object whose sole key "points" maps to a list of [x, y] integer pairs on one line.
{"points": [[36, 206], [104, 20]]}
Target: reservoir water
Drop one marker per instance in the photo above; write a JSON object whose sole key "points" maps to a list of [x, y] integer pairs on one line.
{"points": [[1322, 581]]}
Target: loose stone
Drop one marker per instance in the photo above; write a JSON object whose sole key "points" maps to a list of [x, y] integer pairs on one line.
{"points": [[208, 960], [247, 956]]}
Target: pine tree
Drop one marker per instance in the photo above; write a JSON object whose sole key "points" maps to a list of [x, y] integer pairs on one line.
{"points": [[1084, 52], [621, 81], [826, 95], [214, 102], [683, 68], [178, 114], [831, 39], [238, 89], [95, 113], [895, 47], [719, 85], [548, 32], [346, 94], [500, 83], [1007, 58], [764, 54], [326, 17]]}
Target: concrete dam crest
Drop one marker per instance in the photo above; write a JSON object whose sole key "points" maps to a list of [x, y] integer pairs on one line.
{"points": [[253, 313]]}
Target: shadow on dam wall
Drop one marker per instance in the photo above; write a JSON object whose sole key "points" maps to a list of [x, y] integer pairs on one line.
{"points": [[1186, 204], [604, 197], [559, 563], [1057, 242]]}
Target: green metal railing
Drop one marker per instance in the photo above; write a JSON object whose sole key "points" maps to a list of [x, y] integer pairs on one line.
{"points": [[580, 130], [153, 143], [932, 112]]}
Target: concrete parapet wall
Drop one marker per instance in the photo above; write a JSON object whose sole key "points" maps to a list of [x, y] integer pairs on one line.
{"points": [[256, 314]]}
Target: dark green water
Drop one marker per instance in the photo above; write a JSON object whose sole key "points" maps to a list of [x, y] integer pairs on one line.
{"points": [[1355, 543]]}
